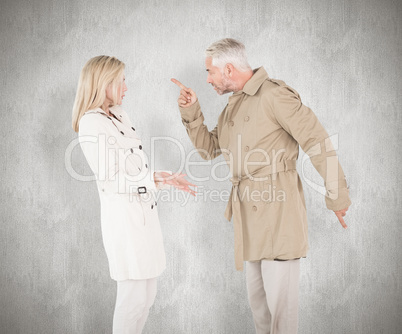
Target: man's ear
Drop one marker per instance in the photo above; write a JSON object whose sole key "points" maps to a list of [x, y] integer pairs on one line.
{"points": [[229, 70]]}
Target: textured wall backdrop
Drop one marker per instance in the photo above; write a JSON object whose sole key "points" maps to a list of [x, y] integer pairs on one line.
{"points": [[343, 57]]}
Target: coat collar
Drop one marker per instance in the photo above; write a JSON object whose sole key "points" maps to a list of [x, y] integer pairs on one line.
{"points": [[95, 111], [254, 83], [115, 110]]}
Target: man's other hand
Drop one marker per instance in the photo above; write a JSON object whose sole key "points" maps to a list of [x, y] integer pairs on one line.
{"points": [[340, 214]]}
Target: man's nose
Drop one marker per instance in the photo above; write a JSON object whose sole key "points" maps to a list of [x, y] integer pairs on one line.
{"points": [[209, 80]]}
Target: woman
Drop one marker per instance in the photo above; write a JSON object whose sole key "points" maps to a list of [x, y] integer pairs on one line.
{"points": [[130, 226]]}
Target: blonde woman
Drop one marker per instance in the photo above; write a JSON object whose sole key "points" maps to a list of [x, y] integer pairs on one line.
{"points": [[130, 226]]}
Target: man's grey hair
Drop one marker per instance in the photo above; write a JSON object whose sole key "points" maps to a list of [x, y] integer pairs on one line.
{"points": [[228, 51]]}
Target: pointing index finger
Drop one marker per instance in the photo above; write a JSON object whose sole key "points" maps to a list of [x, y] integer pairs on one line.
{"points": [[178, 83]]}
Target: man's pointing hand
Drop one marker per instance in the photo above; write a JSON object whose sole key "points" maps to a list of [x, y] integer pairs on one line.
{"points": [[187, 96]]}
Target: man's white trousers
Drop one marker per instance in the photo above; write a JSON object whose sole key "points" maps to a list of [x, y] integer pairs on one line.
{"points": [[273, 293]]}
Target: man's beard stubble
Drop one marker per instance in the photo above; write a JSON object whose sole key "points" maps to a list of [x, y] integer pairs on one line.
{"points": [[227, 86]]}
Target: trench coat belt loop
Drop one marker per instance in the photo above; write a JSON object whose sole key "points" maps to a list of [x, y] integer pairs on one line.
{"points": [[233, 207]]}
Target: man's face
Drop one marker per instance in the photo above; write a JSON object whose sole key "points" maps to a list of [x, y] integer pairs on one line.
{"points": [[217, 78]]}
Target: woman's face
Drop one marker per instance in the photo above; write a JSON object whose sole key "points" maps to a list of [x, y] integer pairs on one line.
{"points": [[121, 89]]}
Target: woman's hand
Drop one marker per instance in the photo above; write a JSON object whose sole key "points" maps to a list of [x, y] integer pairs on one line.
{"points": [[176, 180]]}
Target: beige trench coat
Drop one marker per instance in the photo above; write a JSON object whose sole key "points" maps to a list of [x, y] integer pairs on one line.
{"points": [[259, 133]]}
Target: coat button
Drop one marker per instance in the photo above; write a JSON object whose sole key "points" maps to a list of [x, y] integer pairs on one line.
{"points": [[132, 151], [156, 203], [231, 123], [152, 206], [254, 208], [140, 147], [246, 119], [146, 165], [122, 133], [246, 148], [133, 128]]}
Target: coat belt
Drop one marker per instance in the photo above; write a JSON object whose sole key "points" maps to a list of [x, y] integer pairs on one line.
{"points": [[233, 207]]}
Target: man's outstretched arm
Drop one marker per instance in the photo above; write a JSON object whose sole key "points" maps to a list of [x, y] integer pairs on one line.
{"points": [[302, 124], [206, 142]]}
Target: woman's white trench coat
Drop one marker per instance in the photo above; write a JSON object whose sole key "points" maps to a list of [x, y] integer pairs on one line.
{"points": [[130, 225]]}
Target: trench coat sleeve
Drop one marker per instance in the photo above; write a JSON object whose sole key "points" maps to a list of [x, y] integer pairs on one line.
{"points": [[302, 124], [206, 142], [116, 168]]}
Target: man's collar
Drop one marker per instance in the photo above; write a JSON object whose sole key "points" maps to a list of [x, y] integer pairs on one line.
{"points": [[254, 83]]}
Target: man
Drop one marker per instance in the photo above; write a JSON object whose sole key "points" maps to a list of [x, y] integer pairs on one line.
{"points": [[259, 133]]}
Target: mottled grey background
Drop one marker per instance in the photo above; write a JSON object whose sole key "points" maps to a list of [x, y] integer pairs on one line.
{"points": [[343, 57]]}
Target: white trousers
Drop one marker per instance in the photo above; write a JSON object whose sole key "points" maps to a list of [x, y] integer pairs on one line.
{"points": [[273, 293], [133, 301]]}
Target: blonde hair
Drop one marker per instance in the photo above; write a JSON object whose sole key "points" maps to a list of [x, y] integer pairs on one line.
{"points": [[228, 51], [97, 74]]}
